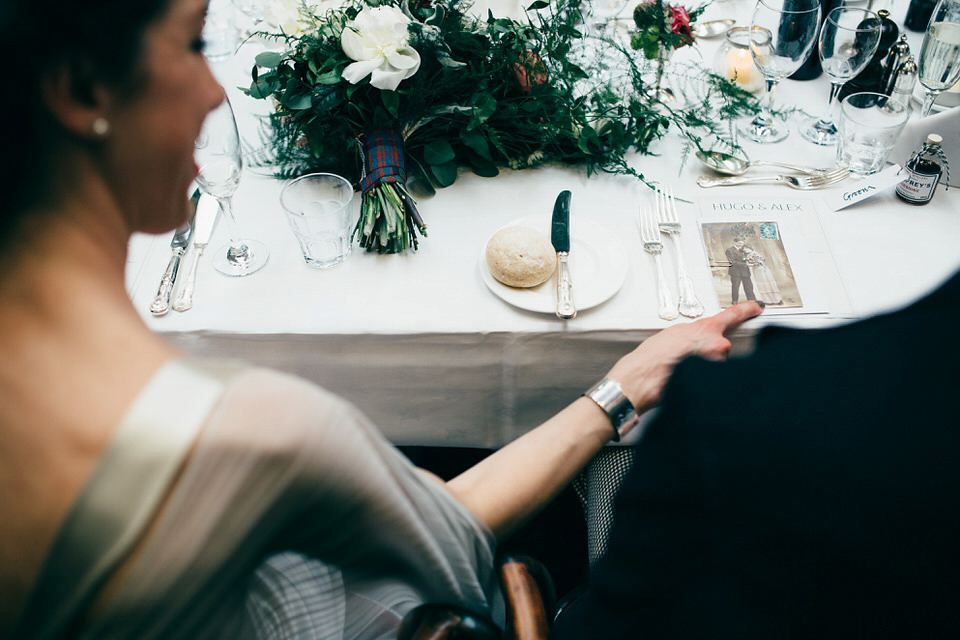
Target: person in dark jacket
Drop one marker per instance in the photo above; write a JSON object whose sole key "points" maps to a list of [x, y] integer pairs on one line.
{"points": [[822, 504]]}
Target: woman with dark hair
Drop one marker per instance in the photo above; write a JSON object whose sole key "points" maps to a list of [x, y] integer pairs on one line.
{"points": [[141, 489]]}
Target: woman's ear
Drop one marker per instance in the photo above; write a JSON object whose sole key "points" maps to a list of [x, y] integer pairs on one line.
{"points": [[76, 100]]}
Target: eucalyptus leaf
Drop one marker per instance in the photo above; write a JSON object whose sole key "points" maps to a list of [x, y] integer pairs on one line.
{"points": [[269, 59], [391, 102], [438, 152], [264, 87], [331, 77], [477, 142], [485, 107], [297, 102], [444, 174]]}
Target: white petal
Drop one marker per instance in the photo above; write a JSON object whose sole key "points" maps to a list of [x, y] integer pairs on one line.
{"points": [[406, 58], [386, 80], [357, 71], [356, 46]]}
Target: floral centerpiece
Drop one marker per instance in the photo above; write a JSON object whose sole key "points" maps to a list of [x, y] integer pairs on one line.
{"points": [[398, 94], [662, 27]]}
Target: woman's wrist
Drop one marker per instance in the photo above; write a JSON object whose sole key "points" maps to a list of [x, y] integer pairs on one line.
{"points": [[609, 396]]}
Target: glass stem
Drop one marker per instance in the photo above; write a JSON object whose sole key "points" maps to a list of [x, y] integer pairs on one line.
{"points": [[766, 111], [928, 100], [238, 249], [828, 117]]}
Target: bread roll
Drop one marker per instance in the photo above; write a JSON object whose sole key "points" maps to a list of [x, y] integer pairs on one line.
{"points": [[520, 257]]}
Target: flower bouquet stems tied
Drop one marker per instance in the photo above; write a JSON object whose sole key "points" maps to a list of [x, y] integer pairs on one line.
{"points": [[397, 95]]}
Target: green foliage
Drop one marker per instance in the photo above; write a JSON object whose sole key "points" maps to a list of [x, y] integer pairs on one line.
{"points": [[490, 93]]}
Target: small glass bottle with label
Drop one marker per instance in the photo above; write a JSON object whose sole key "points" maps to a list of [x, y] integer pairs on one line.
{"points": [[923, 172]]}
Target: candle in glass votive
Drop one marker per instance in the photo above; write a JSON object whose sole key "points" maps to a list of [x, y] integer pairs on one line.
{"points": [[740, 68], [735, 62]]}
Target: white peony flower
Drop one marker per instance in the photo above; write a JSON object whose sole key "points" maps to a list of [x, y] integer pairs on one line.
{"points": [[379, 42]]}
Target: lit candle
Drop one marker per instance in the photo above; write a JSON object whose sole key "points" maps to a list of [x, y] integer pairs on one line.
{"points": [[740, 69]]}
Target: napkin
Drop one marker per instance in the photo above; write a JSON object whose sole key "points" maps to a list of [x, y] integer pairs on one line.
{"points": [[946, 124]]}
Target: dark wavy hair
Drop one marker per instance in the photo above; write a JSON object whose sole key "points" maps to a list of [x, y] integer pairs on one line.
{"points": [[99, 38]]}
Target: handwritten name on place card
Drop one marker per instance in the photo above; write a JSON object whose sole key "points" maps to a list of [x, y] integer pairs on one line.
{"points": [[853, 191]]}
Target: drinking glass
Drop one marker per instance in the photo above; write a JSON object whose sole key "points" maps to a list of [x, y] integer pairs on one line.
{"points": [[848, 40], [870, 125], [782, 36], [218, 156], [939, 62]]}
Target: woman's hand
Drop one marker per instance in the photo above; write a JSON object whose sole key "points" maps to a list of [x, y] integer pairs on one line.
{"points": [[643, 372]]}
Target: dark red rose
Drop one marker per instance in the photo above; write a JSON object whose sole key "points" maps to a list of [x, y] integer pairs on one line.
{"points": [[681, 23]]}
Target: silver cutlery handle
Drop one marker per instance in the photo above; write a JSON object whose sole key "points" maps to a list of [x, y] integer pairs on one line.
{"points": [[707, 181], [565, 307], [184, 300], [667, 310], [793, 167], [161, 301], [689, 305]]}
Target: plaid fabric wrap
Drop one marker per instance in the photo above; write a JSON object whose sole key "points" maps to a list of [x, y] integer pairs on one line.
{"points": [[382, 159]]}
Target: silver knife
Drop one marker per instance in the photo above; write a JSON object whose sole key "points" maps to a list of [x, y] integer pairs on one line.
{"points": [[560, 237], [181, 238], [206, 220]]}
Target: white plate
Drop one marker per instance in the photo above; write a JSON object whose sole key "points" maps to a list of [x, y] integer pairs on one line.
{"points": [[598, 266]]}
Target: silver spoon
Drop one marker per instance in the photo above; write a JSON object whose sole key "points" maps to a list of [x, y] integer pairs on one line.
{"points": [[731, 165]]}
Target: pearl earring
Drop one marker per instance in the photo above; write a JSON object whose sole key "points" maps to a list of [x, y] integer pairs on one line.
{"points": [[101, 127]]}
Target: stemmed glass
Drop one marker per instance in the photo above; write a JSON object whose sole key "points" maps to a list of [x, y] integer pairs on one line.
{"points": [[848, 40], [781, 40], [217, 153], [939, 63]]}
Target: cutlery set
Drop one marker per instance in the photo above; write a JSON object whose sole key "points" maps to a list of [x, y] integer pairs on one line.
{"points": [[199, 230], [665, 219]]}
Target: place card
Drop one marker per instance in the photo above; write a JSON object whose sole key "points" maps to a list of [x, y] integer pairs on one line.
{"points": [[852, 191]]}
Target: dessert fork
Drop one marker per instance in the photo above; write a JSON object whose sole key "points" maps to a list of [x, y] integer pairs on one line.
{"points": [[650, 236], [794, 182], [690, 305]]}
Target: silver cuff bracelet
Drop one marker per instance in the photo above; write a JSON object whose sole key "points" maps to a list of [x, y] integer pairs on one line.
{"points": [[609, 396]]}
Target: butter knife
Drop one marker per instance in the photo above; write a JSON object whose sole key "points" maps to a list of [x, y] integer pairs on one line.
{"points": [[178, 245], [206, 220], [560, 237]]}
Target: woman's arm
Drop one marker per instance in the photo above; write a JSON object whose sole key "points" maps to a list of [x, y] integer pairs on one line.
{"points": [[511, 485]]}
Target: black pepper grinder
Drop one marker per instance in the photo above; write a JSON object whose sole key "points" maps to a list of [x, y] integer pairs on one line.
{"points": [[872, 77], [918, 14], [923, 172]]}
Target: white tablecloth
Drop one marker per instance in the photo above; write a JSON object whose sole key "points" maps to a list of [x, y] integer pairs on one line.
{"points": [[420, 343]]}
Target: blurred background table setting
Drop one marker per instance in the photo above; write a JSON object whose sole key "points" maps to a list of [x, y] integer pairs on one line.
{"points": [[410, 309]]}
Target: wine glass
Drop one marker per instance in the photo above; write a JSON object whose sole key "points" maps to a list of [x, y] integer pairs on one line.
{"points": [[939, 62], [218, 156], [848, 40], [782, 36]]}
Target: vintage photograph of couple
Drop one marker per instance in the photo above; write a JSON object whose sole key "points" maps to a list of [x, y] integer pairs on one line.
{"points": [[748, 262]]}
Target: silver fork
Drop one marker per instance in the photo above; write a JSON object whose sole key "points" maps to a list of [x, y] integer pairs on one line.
{"points": [[650, 236], [794, 182], [670, 224]]}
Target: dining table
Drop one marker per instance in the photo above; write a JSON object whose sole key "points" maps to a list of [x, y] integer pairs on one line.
{"points": [[435, 354]]}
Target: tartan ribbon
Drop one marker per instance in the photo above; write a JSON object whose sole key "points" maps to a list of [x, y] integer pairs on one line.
{"points": [[382, 155]]}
